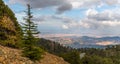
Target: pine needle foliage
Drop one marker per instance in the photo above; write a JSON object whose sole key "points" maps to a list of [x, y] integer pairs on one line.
{"points": [[31, 50]]}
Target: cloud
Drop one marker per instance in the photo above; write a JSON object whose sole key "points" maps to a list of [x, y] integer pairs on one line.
{"points": [[112, 2], [41, 18], [61, 5], [98, 23], [76, 4], [65, 5], [106, 18], [63, 19], [39, 3], [90, 12], [94, 21], [102, 16], [65, 27]]}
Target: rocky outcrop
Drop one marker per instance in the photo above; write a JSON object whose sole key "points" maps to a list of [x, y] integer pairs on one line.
{"points": [[14, 56]]}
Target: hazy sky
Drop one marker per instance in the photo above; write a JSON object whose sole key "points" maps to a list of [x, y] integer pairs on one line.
{"points": [[78, 17]]}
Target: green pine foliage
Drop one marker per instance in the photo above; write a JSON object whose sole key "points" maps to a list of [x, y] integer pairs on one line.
{"points": [[96, 60], [33, 52], [30, 42], [72, 57]]}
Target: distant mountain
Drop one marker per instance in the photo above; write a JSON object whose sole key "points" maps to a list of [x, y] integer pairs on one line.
{"points": [[87, 42]]}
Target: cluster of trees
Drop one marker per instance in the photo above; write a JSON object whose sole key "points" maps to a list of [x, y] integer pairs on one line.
{"points": [[109, 55], [53, 47], [67, 53]]}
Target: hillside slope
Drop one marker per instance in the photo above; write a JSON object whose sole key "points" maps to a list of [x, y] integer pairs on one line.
{"points": [[13, 56], [10, 31]]}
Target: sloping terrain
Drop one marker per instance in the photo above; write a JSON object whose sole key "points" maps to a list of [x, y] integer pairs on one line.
{"points": [[10, 31], [13, 56]]}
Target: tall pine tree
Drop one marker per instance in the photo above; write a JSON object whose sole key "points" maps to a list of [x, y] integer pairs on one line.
{"points": [[30, 30]]}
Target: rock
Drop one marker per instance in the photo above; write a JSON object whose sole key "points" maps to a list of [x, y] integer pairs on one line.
{"points": [[1, 59]]}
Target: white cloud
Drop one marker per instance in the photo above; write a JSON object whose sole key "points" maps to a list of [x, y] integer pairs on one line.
{"points": [[65, 27], [76, 4], [91, 12], [111, 23], [102, 23], [111, 2], [56, 18]]}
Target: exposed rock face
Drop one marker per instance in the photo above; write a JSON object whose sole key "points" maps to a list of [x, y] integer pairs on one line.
{"points": [[13, 56]]}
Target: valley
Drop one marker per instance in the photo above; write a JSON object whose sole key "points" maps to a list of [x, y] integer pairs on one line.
{"points": [[86, 42]]}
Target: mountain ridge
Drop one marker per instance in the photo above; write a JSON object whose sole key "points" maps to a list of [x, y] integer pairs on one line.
{"points": [[86, 41]]}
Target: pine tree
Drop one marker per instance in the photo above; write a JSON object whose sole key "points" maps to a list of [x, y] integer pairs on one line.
{"points": [[30, 30]]}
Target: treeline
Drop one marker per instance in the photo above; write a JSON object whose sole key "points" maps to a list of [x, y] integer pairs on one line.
{"points": [[53, 47], [69, 54], [109, 55]]}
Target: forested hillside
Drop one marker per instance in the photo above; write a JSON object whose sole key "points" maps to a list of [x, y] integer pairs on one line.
{"points": [[53, 47], [108, 55], [10, 31], [67, 53]]}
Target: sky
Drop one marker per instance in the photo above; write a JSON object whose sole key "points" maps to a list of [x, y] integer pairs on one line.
{"points": [[97, 18]]}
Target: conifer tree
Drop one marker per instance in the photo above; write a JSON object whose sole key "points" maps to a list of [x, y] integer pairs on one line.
{"points": [[30, 30]]}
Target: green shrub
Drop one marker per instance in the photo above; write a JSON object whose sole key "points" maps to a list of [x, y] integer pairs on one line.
{"points": [[33, 53], [72, 57]]}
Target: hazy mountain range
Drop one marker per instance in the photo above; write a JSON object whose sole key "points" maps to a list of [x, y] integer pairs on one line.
{"points": [[85, 41]]}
